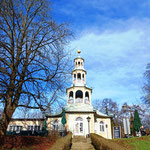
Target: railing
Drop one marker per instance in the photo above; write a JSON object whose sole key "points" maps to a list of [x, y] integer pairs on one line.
{"points": [[70, 101], [78, 81], [86, 101], [79, 100]]}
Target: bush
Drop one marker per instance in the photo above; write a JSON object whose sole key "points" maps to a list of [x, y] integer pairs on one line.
{"points": [[63, 143], [54, 133], [25, 133], [101, 143], [26, 142]]}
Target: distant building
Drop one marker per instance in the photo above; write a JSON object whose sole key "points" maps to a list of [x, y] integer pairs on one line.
{"points": [[81, 117]]}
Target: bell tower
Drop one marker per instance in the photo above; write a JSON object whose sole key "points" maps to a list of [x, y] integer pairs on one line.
{"points": [[79, 92], [79, 74]]}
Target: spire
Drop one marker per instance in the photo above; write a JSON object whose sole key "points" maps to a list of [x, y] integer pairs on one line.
{"points": [[79, 61]]}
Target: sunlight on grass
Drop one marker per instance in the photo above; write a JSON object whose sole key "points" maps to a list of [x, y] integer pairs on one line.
{"points": [[135, 143]]}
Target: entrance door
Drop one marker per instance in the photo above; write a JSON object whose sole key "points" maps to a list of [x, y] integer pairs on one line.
{"points": [[79, 126]]}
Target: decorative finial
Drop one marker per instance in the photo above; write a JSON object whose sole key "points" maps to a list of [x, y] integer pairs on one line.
{"points": [[79, 51]]}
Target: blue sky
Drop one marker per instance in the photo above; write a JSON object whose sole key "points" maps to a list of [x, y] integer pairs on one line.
{"points": [[114, 37]]}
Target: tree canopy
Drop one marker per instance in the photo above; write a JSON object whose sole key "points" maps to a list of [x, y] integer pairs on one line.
{"points": [[33, 61]]}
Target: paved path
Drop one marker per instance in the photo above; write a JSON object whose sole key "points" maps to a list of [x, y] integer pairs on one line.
{"points": [[81, 143]]}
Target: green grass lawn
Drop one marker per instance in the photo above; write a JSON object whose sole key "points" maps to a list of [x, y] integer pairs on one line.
{"points": [[135, 143]]}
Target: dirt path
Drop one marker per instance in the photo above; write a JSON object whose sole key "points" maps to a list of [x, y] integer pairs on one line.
{"points": [[81, 143]]}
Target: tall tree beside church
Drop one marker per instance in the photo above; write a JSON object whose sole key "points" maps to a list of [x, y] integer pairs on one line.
{"points": [[137, 122], [33, 62]]}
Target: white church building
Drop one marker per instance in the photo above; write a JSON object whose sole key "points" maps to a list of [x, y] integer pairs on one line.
{"points": [[81, 118]]}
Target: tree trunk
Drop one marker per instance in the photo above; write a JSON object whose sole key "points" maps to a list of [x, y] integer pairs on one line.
{"points": [[6, 118]]}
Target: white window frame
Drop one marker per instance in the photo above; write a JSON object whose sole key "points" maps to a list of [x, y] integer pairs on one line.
{"points": [[16, 128], [10, 128], [102, 126], [37, 128], [30, 128]]}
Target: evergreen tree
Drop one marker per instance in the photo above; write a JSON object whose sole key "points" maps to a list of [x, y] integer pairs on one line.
{"points": [[137, 122], [63, 120]]}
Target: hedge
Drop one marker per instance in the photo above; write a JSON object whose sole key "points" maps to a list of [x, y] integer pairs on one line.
{"points": [[101, 143], [63, 143]]}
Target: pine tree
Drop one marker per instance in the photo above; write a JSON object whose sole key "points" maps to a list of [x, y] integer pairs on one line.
{"points": [[137, 122]]}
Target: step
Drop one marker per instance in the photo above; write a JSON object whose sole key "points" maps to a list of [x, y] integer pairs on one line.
{"points": [[81, 143]]}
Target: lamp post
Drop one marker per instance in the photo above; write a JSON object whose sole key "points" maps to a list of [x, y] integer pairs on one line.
{"points": [[88, 119]]}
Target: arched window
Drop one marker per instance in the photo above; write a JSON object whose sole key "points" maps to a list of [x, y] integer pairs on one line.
{"points": [[79, 119], [82, 76], [71, 95], [101, 126], [86, 95], [74, 76], [79, 94], [79, 76], [79, 63]]}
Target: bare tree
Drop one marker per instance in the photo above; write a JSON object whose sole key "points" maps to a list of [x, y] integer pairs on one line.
{"points": [[1, 112], [146, 88], [131, 108], [107, 106], [27, 113], [33, 62]]}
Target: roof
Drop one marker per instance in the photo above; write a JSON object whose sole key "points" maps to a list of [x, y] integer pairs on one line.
{"points": [[100, 114], [77, 69], [79, 86], [27, 119], [58, 114], [78, 58], [79, 107]]}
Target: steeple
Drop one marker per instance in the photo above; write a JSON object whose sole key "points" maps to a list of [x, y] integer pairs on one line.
{"points": [[79, 92], [79, 73]]}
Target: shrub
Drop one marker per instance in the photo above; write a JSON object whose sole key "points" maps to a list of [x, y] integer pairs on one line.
{"points": [[54, 133], [101, 143], [63, 143]]}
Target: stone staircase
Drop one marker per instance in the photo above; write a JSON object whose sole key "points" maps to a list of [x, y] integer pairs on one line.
{"points": [[81, 143]]}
